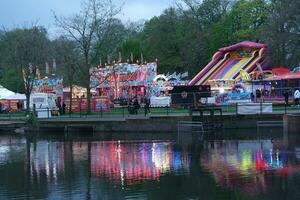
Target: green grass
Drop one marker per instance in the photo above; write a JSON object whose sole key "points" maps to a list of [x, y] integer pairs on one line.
{"points": [[123, 112]]}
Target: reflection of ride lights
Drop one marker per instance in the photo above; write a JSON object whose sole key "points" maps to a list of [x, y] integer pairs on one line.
{"points": [[131, 163], [161, 157], [246, 162], [232, 161], [270, 161], [249, 174], [46, 158], [260, 164]]}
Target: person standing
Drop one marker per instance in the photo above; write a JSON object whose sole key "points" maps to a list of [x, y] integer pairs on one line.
{"points": [[136, 106], [296, 97], [59, 107], [258, 96], [252, 97], [286, 97], [63, 108]]}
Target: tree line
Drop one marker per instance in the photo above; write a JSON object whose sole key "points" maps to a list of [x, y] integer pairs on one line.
{"points": [[183, 38]]}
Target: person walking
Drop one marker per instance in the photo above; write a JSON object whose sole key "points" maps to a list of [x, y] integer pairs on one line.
{"points": [[296, 97], [147, 106]]}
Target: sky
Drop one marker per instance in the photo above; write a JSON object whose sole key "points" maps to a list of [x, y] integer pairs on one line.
{"points": [[15, 13]]}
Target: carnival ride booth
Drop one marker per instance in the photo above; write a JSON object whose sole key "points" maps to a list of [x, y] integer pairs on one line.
{"points": [[77, 92], [274, 83], [123, 80], [161, 87], [159, 91], [190, 96], [229, 92], [220, 90], [98, 104], [239, 94], [232, 92], [53, 85]]}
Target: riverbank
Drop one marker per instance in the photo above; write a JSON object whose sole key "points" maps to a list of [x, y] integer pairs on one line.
{"points": [[147, 124], [136, 123]]}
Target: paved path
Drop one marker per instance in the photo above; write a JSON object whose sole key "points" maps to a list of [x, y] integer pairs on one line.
{"points": [[10, 122]]}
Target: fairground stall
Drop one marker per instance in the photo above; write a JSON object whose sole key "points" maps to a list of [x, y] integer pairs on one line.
{"points": [[79, 93], [10, 101], [13, 102]]}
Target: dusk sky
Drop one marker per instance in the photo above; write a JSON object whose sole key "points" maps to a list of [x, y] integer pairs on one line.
{"points": [[23, 12]]}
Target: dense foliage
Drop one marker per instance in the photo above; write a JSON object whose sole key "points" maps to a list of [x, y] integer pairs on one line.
{"points": [[183, 38]]}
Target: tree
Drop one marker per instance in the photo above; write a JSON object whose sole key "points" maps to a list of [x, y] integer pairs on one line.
{"points": [[197, 18], [85, 29], [109, 37], [205, 12], [67, 55], [131, 48], [282, 32], [23, 49], [162, 38], [244, 22]]}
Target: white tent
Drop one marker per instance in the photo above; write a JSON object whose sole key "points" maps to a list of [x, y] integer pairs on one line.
{"points": [[15, 96], [5, 92]]}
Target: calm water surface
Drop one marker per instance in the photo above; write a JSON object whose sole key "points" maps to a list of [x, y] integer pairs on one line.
{"points": [[77, 168]]}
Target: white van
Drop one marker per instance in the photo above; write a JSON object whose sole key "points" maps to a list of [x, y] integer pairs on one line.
{"points": [[44, 103]]}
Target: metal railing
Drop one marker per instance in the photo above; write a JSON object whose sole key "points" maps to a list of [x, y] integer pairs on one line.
{"points": [[173, 110], [190, 127], [123, 112]]}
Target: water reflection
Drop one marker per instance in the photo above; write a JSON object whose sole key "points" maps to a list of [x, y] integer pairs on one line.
{"points": [[121, 163], [131, 163], [52, 167], [248, 166], [34, 168]]}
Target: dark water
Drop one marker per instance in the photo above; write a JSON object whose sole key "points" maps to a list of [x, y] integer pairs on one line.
{"points": [[81, 168]]}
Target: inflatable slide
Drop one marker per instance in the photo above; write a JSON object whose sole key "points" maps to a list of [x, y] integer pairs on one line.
{"points": [[229, 61]]}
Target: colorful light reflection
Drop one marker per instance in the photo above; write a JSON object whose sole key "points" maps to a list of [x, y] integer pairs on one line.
{"points": [[120, 163], [131, 163], [245, 164]]}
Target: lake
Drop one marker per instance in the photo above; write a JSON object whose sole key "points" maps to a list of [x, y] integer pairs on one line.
{"points": [[80, 167]]}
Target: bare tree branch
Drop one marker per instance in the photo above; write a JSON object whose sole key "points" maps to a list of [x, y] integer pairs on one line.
{"points": [[83, 28]]}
